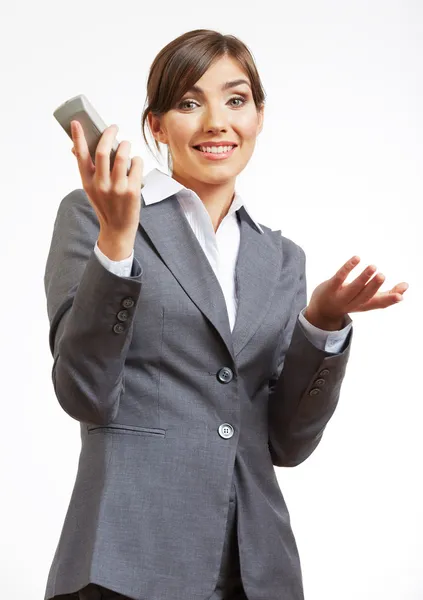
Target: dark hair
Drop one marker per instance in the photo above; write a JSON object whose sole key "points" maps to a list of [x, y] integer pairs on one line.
{"points": [[182, 62]]}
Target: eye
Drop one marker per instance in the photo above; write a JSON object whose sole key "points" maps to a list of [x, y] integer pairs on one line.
{"points": [[184, 102], [240, 100]]}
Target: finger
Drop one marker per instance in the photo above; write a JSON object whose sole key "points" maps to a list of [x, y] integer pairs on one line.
{"points": [[400, 288], [102, 155], [382, 300], [358, 285], [80, 150], [342, 273], [368, 291], [120, 166], [135, 173]]}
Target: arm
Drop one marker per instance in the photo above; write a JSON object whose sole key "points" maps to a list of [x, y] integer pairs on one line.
{"points": [[122, 267], [331, 341], [300, 406], [88, 342]]}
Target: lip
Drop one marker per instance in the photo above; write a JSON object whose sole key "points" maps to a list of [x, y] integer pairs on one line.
{"points": [[216, 156], [209, 144]]}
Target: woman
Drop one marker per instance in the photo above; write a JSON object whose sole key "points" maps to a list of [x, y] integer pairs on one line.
{"points": [[184, 346]]}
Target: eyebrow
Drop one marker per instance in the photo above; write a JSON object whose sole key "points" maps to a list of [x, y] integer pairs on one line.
{"points": [[226, 86]]}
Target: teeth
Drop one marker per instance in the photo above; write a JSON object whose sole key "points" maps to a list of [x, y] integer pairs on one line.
{"points": [[216, 149]]}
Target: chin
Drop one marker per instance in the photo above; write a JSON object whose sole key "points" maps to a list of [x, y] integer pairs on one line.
{"points": [[219, 178], [214, 173]]}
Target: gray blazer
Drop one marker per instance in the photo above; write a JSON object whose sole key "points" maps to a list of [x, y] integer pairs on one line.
{"points": [[173, 405]]}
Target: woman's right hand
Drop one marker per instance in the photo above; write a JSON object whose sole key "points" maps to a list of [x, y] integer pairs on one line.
{"points": [[115, 196]]}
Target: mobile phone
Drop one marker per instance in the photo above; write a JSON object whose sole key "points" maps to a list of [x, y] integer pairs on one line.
{"points": [[79, 108]]}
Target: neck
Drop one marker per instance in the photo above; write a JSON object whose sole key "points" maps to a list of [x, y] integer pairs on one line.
{"points": [[217, 198]]}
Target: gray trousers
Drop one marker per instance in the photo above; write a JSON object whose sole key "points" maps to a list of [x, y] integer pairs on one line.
{"points": [[228, 586]]}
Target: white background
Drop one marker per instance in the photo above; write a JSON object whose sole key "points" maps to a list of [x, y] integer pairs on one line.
{"points": [[338, 168]]}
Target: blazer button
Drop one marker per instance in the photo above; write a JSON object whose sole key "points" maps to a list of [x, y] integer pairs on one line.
{"points": [[225, 375], [314, 392], [118, 328], [128, 303], [319, 382], [324, 372], [226, 430], [122, 315]]}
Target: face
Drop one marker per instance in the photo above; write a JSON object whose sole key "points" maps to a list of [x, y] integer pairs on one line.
{"points": [[211, 113]]}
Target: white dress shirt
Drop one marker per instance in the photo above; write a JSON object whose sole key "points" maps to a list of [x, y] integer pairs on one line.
{"points": [[220, 247]]}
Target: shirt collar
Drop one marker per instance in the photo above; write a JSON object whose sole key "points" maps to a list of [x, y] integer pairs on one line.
{"points": [[158, 186]]}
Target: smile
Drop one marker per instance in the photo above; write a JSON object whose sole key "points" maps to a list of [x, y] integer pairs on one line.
{"points": [[215, 152]]}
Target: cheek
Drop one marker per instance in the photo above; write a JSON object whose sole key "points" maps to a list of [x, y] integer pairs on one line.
{"points": [[247, 126], [181, 133]]}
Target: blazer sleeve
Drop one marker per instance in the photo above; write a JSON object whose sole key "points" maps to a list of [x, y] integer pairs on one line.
{"points": [[304, 391], [88, 340]]}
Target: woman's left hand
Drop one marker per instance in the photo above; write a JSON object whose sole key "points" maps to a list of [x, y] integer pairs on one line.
{"points": [[332, 300]]}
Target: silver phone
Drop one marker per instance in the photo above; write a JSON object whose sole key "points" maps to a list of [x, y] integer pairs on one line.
{"points": [[79, 108]]}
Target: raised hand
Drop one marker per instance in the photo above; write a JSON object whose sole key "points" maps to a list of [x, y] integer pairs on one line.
{"points": [[332, 299], [114, 195]]}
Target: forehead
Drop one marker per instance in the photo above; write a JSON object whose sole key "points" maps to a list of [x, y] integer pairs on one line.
{"points": [[222, 70]]}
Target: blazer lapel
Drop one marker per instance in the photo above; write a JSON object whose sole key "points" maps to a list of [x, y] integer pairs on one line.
{"points": [[257, 270], [168, 229]]}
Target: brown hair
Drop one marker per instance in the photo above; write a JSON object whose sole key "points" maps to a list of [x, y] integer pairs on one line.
{"points": [[182, 62]]}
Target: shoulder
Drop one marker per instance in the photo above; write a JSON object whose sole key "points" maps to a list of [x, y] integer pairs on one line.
{"points": [[291, 250], [76, 199], [76, 209]]}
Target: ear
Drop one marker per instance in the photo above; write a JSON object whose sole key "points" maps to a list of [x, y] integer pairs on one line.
{"points": [[156, 128]]}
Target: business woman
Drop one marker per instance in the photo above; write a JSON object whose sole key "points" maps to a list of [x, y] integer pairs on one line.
{"points": [[184, 345]]}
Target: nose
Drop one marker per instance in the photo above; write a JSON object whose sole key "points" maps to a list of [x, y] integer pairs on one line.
{"points": [[215, 119]]}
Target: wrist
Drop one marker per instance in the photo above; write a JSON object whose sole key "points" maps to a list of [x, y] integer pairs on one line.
{"points": [[323, 322], [115, 247]]}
